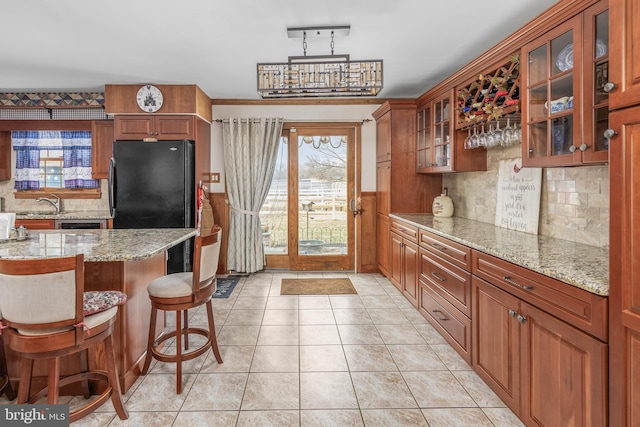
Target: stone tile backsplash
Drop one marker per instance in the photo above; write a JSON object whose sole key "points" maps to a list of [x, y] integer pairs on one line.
{"points": [[574, 205]]}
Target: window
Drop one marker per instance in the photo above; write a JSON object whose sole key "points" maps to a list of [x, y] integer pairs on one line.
{"points": [[48, 160], [51, 169]]}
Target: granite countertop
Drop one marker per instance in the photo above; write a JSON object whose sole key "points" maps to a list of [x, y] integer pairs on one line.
{"points": [[64, 215], [583, 266], [96, 245]]}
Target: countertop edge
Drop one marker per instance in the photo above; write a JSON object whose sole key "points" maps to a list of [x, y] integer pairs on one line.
{"points": [[585, 281]]}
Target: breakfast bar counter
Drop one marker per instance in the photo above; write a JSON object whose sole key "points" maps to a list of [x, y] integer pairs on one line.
{"points": [[124, 260]]}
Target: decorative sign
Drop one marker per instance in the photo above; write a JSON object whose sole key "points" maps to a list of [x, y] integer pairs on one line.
{"points": [[518, 204]]}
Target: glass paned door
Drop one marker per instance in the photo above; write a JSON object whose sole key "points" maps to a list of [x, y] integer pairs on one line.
{"points": [[325, 186], [314, 180]]}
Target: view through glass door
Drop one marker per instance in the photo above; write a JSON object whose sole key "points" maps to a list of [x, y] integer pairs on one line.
{"points": [[306, 220]]}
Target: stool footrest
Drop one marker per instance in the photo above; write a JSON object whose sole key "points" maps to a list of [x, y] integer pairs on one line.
{"points": [[192, 354]]}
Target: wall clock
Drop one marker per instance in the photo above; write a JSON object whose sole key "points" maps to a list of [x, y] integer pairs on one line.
{"points": [[149, 98]]}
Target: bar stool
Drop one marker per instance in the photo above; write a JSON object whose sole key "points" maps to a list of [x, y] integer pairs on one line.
{"points": [[47, 315], [179, 292], [5, 385]]}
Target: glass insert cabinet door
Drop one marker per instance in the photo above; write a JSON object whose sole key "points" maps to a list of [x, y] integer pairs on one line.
{"points": [[552, 73], [566, 106], [595, 147]]}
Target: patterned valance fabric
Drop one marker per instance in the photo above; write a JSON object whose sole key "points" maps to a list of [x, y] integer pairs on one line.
{"points": [[76, 152]]}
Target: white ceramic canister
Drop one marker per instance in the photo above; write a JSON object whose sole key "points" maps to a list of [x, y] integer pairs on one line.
{"points": [[442, 206]]}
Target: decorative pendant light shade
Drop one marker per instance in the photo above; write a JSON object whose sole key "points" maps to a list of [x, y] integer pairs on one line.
{"points": [[319, 75]]}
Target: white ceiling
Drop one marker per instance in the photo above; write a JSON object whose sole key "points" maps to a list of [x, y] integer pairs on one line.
{"points": [[80, 45]]}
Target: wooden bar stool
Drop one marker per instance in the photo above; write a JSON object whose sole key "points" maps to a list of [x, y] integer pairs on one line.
{"points": [[5, 385], [46, 315], [179, 292]]}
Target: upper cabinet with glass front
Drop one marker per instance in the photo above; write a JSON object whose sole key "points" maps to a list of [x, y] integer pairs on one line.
{"points": [[437, 148], [435, 130], [565, 105]]}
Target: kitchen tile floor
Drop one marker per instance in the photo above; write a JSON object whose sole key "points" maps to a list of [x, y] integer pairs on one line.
{"points": [[332, 360]]}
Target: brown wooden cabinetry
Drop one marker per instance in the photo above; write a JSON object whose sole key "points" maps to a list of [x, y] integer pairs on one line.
{"points": [[565, 106], [437, 148], [162, 127], [5, 156], [383, 138], [398, 187], [445, 289], [382, 250], [404, 259], [36, 224], [550, 372], [101, 148], [625, 51], [624, 267]]}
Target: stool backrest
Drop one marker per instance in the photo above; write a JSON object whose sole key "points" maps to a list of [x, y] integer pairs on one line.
{"points": [[42, 293], [205, 258]]}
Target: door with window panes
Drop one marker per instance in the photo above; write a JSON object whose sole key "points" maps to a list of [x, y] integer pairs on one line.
{"points": [[307, 219]]}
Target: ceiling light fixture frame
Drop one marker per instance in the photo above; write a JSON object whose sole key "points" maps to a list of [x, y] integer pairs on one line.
{"points": [[334, 75]]}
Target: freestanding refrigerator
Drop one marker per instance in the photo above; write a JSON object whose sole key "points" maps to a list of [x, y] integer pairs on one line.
{"points": [[152, 185]]}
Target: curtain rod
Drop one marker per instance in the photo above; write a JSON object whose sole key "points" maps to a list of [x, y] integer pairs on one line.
{"points": [[294, 120]]}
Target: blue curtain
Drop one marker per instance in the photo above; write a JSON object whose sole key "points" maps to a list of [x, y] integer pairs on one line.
{"points": [[76, 154]]}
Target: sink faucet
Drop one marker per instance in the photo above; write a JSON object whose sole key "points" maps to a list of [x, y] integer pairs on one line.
{"points": [[55, 203]]}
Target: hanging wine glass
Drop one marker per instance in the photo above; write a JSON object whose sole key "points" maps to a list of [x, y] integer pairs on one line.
{"points": [[506, 135], [474, 138], [467, 140], [491, 139], [497, 133], [516, 134], [482, 138]]}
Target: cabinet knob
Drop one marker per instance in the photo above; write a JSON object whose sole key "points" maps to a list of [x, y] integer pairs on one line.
{"points": [[583, 147], [521, 318], [609, 87], [610, 133], [512, 313], [573, 149]]}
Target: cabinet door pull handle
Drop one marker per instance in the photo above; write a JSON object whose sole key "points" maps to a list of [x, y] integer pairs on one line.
{"points": [[440, 316], [512, 313], [438, 276], [521, 318], [439, 247], [509, 280]]}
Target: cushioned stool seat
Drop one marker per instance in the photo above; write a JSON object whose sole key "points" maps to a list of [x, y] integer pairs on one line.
{"points": [[46, 315], [179, 292]]}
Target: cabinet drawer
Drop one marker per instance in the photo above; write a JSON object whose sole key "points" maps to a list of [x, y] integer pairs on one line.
{"points": [[452, 325], [450, 282], [36, 224], [405, 230], [575, 306], [451, 251]]}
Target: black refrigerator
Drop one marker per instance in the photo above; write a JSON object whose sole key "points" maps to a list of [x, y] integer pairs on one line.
{"points": [[152, 185]]}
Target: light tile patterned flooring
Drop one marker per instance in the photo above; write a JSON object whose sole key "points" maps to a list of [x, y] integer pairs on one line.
{"points": [[369, 359]]}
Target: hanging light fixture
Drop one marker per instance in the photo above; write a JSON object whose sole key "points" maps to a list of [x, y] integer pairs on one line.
{"points": [[319, 75]]}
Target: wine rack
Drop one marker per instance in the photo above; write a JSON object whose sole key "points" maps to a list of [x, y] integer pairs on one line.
{"points": [[490, 96]]}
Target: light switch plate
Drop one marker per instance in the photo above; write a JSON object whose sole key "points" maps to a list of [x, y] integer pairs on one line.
{"points": [[214, 177]]}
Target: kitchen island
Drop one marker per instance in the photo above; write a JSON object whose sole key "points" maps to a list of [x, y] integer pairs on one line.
{"points": [[123, 260]]}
